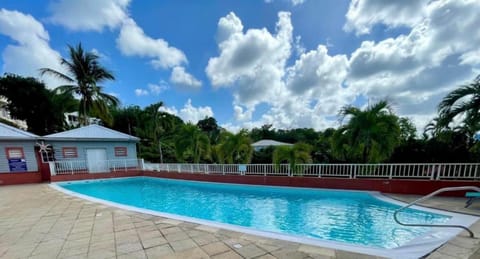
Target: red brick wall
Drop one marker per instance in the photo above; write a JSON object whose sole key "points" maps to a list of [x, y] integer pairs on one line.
{"points": [[400, 186], [74, 177], [20, 178]]}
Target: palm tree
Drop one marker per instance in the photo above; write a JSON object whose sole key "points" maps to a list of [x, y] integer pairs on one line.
{"points": [[191, 144], [235, 148], [296, 154], [83, 75], [464, 100], [370, 135]]}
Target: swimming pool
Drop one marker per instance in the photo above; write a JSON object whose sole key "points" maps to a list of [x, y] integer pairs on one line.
{"points": [[357, 218]]}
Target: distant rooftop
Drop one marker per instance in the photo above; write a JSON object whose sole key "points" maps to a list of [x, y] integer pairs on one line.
{"points": [[269, 142], [9, 132], [92, 132]]}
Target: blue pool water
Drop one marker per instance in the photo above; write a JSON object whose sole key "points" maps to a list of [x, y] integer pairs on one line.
{"points": [[353, 217]]}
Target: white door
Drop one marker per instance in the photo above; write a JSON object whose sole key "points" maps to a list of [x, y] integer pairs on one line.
{"points": [[97, 160]]}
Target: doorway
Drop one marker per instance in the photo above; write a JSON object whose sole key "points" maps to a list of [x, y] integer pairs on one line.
{"points": [[97, 160]]}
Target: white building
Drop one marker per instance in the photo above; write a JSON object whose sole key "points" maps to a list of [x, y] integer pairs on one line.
{"points": [[72, 119], [5, 114], [264, 143]]}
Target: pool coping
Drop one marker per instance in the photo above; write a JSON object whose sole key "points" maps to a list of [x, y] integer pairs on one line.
{"points": [[416, 248]]}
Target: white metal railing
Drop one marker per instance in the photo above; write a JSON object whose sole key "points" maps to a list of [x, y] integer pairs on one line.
{"points": [[442, 190], [432, 171], [86, 167]]}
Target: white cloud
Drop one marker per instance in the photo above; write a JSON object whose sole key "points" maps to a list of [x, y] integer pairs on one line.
{"points": [[181, 78], [153, 89], [297, 2], [31, 50], [254, 60], [189, 113], [141, 92], [362, 15], [418, 69], [254, 64], [88, 15], [132, 41], [156, 89], [293, 2]]}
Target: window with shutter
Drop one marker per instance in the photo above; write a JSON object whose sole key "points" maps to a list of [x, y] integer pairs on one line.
{"points": [[69, 152], [14, 152], [120, 151]]}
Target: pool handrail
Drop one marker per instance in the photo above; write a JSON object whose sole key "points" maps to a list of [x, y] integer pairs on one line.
{"points": [[445, 189]]}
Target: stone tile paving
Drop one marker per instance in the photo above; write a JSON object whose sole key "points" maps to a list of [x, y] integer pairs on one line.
{"points": [[37, 221]]}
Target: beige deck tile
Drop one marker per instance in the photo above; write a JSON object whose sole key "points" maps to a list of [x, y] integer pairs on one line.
{"points": [[194, 253], [266, 256], [168, 221], [312, 250], [227, 255], [127, 248], [215, 248], [135, 255], [288, 254], [158, 251], [207, 228], [176, 236], [182, 245], [102, 254], [170, 230], [205, 238], [268, 247], [250, 251], [151, 242]]}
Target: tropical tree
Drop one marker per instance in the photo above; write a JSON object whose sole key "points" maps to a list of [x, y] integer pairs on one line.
{"points": [[191, 144], [42, 109], [370, 135], [293, 155], [235, 148], [84, 73], [210, 127], [464, 100]]}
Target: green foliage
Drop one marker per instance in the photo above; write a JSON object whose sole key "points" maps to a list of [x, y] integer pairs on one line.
{"points": [[263, 156], [464, 100], [191, 144], [29, 100], [370, 136], [407, 129], [84, 74], [234, 148], [210, 127], [293, 155]]}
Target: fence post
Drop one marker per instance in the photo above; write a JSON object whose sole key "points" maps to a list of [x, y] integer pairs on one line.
{"points": [[51, 165], [432, 172], [391, 172], [125, 163], [355, 166], [142, 164], [71, 166], [289, 170]]}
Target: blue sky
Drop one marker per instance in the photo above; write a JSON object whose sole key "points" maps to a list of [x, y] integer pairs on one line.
{"points": [[290, 63]]}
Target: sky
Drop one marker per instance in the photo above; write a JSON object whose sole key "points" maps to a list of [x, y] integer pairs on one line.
{"points": [[289, 63]]}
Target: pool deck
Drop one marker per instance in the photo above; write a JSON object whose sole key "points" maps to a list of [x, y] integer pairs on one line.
{"points": [[37, 221]]}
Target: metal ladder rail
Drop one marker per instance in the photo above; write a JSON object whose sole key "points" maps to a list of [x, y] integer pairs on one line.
{"points": [[446, 189]]}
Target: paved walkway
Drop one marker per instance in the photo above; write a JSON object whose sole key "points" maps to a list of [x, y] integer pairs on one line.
{"points": [[37, 221]]}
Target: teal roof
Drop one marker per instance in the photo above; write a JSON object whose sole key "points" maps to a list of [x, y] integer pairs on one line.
{"points": [[10, 133], [92, 132]]}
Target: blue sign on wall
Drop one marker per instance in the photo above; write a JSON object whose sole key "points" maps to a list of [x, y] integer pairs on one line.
{"points": [[17, 165]]}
